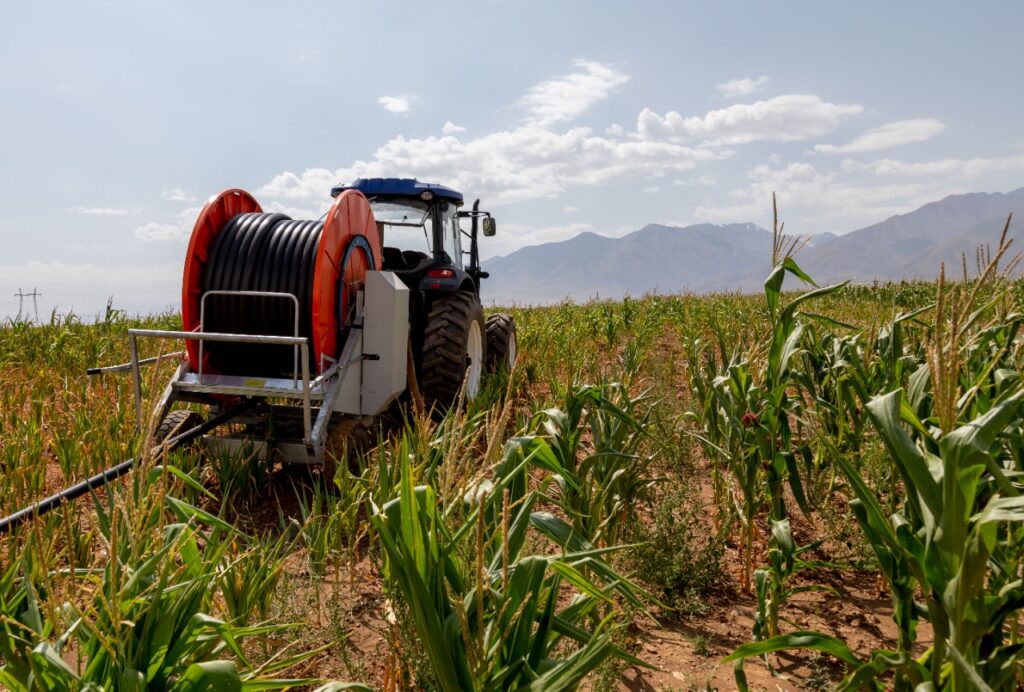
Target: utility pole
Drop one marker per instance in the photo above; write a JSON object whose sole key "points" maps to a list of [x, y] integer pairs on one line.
{"points": [[21, 296], [21, 301]]}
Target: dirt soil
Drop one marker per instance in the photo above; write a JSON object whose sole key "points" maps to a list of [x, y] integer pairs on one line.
{"points": [[854, 606]]}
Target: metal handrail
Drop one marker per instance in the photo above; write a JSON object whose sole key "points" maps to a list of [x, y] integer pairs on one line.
{"points": [[273, 339], [299, 342], [252, 294]]}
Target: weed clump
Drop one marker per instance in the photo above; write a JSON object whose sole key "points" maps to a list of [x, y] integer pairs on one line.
{"points": [[678, 557]]}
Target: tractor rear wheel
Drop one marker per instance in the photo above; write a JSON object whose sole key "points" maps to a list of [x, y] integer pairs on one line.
{"points": [[501, 342], [175, 423], [454, 350]]}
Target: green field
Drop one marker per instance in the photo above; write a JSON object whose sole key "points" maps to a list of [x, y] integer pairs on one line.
{"points": [[823, 484]]}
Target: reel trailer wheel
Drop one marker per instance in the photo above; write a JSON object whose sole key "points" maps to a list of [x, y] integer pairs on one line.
{"points": [[501, 342]]}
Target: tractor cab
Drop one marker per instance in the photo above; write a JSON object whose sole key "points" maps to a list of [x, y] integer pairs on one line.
{"points": [[422, 237], [424, 243]]}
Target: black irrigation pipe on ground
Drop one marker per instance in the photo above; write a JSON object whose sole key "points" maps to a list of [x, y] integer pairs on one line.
{"points": [[101, 479]]}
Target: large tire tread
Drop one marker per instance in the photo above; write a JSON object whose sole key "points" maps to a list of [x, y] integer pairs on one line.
{"points": [[501, 329], [175, 423], [444, 362]]}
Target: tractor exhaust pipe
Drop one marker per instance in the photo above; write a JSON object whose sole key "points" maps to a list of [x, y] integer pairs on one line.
{"points": [[101, 479]]}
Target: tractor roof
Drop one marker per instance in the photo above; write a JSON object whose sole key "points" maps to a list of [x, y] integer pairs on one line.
{"points": [[399, 187]]}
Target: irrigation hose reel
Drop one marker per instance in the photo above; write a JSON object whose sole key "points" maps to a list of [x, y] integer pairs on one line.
{"points": [[283, 309]]}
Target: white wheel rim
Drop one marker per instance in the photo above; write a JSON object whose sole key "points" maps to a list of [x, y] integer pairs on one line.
{"points": [[474, 354], [511, 350]]}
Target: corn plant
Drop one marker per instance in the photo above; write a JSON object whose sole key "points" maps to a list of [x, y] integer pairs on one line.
{"points": [[250, 577], [833, 376], [22, 626], [487, 613], [957, 538], [747, 419], [147, 629], [945, 544], [599, 481]]}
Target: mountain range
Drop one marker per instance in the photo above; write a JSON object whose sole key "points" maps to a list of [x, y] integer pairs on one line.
{"points": [[730, 257]]}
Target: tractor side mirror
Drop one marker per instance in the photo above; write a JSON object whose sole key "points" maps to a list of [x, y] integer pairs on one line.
{"points": [[490, 226]]}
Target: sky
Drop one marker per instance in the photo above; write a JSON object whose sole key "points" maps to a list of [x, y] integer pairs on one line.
{"points": [[118, 120]]}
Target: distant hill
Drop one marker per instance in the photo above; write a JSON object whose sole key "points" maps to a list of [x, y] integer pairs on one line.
{"points": [[712, 257], [912, 245]]}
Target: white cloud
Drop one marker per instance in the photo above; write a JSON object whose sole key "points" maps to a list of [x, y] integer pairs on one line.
{"points": [[315, 212], [102, 211], [822, 195], [395, 104], [177, 195], [651, 189], [310, 184], [451, 128], [702, 179], [741, 87], [786, 118], [177, 229], [567, 97], [527, 162], [537, 159], [161, 231], [955, 168], [887, 136]]}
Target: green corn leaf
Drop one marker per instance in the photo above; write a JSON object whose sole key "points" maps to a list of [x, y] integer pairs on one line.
{"points": [[796, 640], [1000, 510], [866, 676], [923, 491], [773, 287], [215, 676], [185, 478], [789, 311], [132, 681], [795, 484], [831, 321], [784, 537], [47, 660], [189, 512], [398, 529], [964, 454], [577, 579], [784, 347], [567, 674], [545, 624], [561, 533], [968, 670]]}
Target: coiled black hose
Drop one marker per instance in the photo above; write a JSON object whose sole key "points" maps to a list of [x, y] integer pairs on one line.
{"points": [[260, 252]]}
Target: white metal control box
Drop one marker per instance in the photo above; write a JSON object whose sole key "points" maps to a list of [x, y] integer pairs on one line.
{"points": [[384, 348]]}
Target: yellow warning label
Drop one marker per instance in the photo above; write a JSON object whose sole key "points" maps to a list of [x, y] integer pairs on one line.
{"points": [[255, 383]]}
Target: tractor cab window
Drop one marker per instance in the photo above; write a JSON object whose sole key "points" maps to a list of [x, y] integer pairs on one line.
{"points": [[405, 225], [452, 235], [407, 232]]}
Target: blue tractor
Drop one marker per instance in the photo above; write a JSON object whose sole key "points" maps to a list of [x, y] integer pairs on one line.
{"points": [[422, 229]]}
